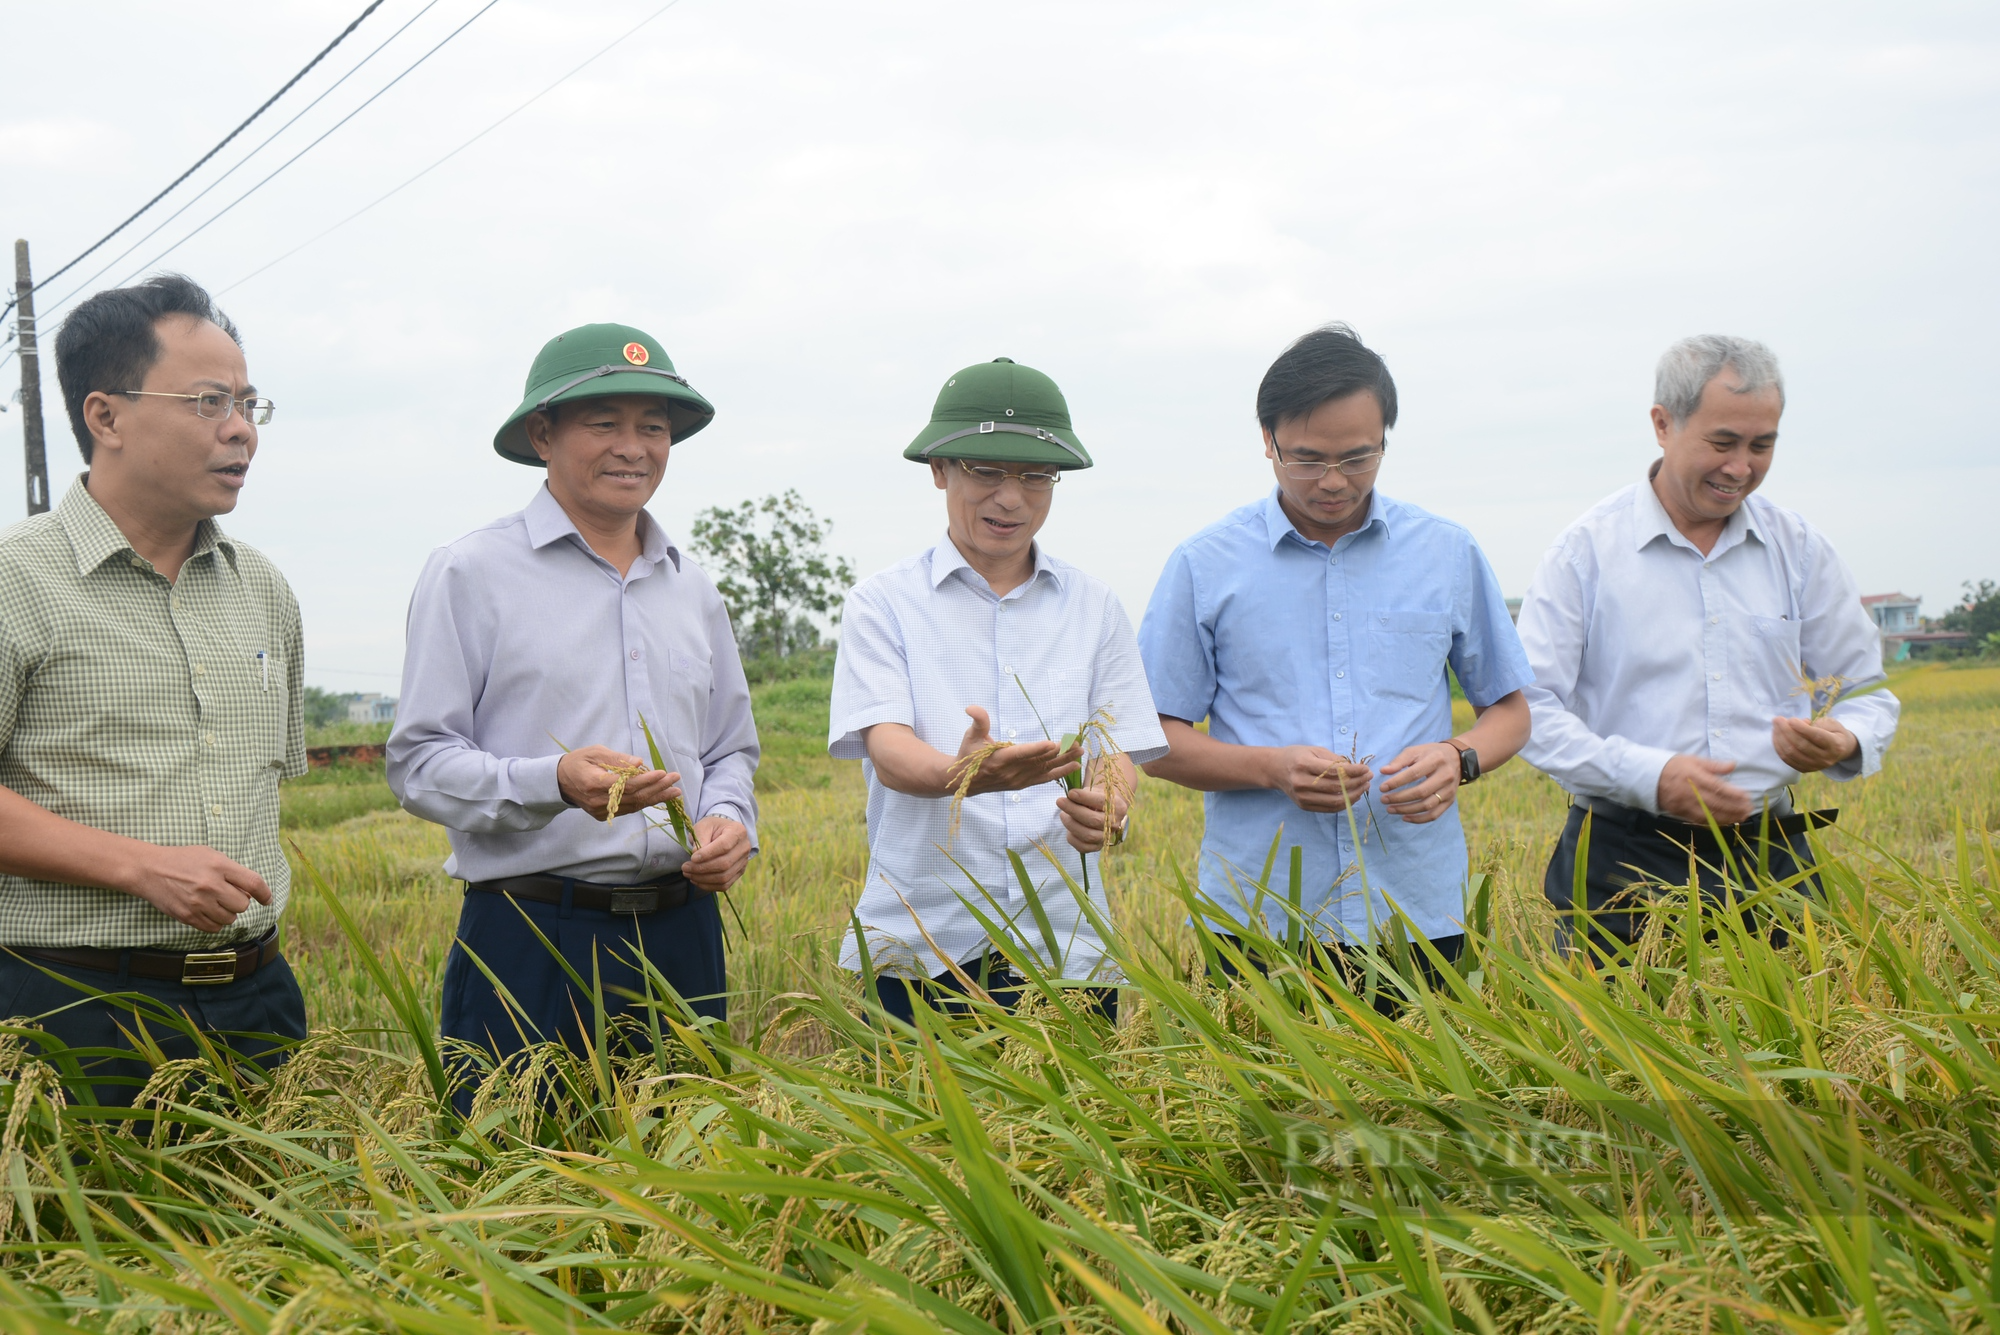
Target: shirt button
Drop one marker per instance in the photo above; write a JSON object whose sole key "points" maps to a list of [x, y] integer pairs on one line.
{"points": [[210, 739], [1011, 732], [1336, 616], [215, 810], [1717, 676], [1340, 674], [635, 655], [1715, 621], [199, 669], [1017, 797]]}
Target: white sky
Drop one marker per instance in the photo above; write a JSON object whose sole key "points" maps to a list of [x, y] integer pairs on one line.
{"points": [[824, 210]]}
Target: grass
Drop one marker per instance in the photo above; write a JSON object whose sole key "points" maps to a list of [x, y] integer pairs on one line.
{"points": [[1726, 1138]]}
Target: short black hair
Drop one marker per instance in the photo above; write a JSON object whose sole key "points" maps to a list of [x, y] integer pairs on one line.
{"points": [[1329, 363], [109, 343]]}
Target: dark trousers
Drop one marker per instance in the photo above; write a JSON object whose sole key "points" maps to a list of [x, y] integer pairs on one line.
{"points": [[1635, 857], [257, 1018], [899, 996], [1352, 965], [684, 944]]}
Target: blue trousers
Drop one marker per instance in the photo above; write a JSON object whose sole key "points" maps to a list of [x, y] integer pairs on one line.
{"points": [[684, 944], [258, 1017]]}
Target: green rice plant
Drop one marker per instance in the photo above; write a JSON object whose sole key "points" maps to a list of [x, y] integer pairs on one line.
{"points": [[1718, 1136]]}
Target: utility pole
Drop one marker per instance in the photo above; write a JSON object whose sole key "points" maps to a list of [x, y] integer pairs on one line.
{"points": [[31, 383]]}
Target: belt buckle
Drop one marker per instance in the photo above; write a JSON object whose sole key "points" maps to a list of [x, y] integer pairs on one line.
{"points": [[207, 967], [635, 901]]}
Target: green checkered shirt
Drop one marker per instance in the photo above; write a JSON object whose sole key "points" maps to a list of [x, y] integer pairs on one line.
{"points": [[164, 712]]}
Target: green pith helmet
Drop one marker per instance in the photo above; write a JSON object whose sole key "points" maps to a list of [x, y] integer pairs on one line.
{"points": [[595, 361], [1003, 412]]}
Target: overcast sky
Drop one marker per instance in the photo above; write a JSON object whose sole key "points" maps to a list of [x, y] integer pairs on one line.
{"points": [[824, 210]]}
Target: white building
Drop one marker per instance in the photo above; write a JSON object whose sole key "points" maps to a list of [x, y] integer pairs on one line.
{"points": [[372, 708], [1894, 613]]}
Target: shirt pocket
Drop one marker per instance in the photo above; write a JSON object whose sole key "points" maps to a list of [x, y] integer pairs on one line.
{"points": [[1770, 666], [1408, 650], [270, 697], [1064, 700], [690, 676]]}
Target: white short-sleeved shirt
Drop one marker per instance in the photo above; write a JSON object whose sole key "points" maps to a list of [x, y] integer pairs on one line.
{"points": [[918, 643]]}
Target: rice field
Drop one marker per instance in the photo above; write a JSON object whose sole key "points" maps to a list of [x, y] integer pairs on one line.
{"points": [[1727, 1137]]}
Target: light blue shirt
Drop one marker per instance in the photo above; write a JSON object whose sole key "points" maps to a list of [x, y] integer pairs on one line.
{"points": [[519, 635], [918, 643], [1643, 648], [1278, 640]]}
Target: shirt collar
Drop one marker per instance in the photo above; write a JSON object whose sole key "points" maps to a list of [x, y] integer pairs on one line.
{"points": [[547, 522], [1650, 521], [946, 558], [96, 538], [1277, 523]]}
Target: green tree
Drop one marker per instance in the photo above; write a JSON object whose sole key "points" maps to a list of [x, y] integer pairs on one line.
{"points": [[769, 561], [1978, 614], [325, 707]]}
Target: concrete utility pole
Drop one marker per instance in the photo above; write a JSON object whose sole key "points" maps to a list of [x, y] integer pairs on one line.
{"points": [[31, 383]]}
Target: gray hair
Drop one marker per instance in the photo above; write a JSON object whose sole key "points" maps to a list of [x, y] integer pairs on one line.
{"points": [[1686, 368]]}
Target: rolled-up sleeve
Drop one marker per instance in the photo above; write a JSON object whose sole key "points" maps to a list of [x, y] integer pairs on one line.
{"points": [[730, 749], [1119, 689], [295, 688], [1553, 628], [871, 677], [1486, 653], [1839, 639], [1177, 648], [434, 767]]}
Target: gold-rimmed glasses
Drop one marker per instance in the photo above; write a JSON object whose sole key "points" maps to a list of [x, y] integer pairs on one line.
{"points": [[994, 478], [1349, 464], [215, 405]]}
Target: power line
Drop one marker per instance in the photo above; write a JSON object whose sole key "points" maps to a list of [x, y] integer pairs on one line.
{"points": [[203, 193], [324, 52], [301, 153], [455, 152]]}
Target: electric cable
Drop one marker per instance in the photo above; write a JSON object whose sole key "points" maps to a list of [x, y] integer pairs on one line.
{"points": [[203, 193], [455, 152], [324, 52], [445, 40]]}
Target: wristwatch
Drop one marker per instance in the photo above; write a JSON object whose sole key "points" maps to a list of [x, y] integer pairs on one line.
{"points": [[1468, 760]]}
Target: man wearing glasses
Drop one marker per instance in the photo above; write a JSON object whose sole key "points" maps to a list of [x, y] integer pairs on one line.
{"points": [[543, 649], [1676, 632], [150, 700], [1312, 630], [959, 671]]}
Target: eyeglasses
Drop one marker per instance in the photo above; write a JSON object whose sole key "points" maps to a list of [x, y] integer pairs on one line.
{"points": [[215, 405], [1351, 465], [994, 478]]}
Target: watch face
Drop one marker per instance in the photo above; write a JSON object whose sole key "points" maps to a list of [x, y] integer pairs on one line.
{"points": [[1468, 765]]}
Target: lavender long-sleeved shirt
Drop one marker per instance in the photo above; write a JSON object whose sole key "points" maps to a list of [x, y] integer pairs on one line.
{"points": [[519, 634]]}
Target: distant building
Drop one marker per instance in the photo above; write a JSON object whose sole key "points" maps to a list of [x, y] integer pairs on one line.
{"points": [[1899, 617], [1894, 612], [372, 708]]}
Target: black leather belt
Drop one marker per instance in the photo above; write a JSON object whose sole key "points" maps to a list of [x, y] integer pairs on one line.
{"points": [[196, 968], [1791, 824], [669, 892]]}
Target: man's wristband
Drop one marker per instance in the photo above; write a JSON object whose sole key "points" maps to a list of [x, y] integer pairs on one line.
{"points": [[1468, 760]]}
